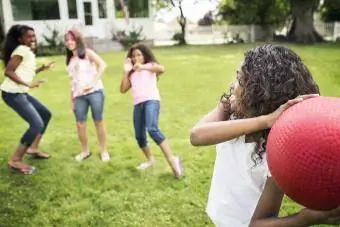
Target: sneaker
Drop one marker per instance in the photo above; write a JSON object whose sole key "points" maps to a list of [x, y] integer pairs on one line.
{"points": [[145, 165], [105, 156], [82, 156], [179, 168]]}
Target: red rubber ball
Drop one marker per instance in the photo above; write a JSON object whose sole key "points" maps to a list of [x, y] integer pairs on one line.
{"points": [[303, 152]]}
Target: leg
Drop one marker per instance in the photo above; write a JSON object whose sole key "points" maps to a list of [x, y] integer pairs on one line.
{"points": [[97, 100], [140, 134], [81, 107], [20, 104], [45, 115], [152, 109]]}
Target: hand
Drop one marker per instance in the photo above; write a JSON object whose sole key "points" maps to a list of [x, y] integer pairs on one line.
{"points": [[271, 118], [72, 105], [37, 83], [312, 217], [128, 65], [138, 67], [48, 66], [88, 88]]}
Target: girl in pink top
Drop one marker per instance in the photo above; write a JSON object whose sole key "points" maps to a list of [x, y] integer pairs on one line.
{"points": [[85, 69], [141, 70]]}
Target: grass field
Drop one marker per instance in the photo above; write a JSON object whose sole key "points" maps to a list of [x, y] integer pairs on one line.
{"points": [[92, 193]]}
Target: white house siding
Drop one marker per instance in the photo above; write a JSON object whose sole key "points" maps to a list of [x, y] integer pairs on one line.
{"points": [[102, 27]]}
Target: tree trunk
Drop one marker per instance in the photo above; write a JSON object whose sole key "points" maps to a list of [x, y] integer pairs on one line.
{"points": [[182, 22], [302, 29], [2, 25]]}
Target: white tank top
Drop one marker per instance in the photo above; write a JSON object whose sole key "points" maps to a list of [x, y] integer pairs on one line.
{"points": [[236, 184]]}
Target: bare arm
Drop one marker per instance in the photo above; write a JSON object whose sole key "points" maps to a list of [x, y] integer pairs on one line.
{"points": [[217, 132], [99, 62], [209, 133], [45, 67], [125, 84], [11, 66], [156, 68], [268, 207], [152, 67]]}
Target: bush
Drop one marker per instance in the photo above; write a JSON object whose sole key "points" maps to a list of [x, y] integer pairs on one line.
{"points": [[179, 38], [54, 44], [128, 38]]}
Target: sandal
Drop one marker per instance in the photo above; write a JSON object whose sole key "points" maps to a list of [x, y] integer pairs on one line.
{"points": [[26, 169], [38, 155], [83, 155]]}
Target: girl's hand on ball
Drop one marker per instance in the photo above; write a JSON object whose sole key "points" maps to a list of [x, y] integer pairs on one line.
{"points": [[312, 217], [271, 118]]}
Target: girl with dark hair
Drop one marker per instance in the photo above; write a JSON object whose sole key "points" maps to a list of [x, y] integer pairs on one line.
{"points": [[20, 69], [267, 83], [140, 74], [85, 69]]}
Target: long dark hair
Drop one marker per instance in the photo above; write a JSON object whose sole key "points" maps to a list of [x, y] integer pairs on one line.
{"points": [[12, 41], [149, 57], [270, 76], [80, 46]]}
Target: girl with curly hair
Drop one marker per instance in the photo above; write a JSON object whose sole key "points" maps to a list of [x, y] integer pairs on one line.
{"points": [[141, 70], [270, 80]]}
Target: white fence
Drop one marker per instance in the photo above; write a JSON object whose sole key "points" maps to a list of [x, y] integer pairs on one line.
{"points": [[218, 34]]}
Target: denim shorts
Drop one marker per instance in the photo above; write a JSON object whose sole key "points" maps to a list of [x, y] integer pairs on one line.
{"points": [[95, 100]]}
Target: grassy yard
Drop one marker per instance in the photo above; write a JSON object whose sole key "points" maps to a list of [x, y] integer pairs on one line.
{"points": [[91, 193]]}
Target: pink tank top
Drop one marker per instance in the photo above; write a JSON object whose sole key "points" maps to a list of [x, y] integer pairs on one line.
{"points": [[144, 86]]}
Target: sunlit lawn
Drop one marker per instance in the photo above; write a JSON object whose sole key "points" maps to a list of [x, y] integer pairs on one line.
{"points": [[92, 193]]}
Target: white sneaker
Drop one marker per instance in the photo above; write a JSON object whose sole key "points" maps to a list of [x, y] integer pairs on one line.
{"points": [[105, 156], [145, 165]]}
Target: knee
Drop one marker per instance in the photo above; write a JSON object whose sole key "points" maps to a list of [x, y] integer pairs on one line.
{"points": [[81, 124], [37, 127], [156, 135]]}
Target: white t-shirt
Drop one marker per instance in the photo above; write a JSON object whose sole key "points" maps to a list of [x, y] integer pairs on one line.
{"points": [[236, 184], [25, 70]]}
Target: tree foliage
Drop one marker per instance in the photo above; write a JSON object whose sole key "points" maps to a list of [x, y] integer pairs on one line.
{"points": [[330, 11], [261, 12]]}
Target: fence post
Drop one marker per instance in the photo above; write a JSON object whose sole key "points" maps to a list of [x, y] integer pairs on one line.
{"points": [[252, 33], [336, 32]]}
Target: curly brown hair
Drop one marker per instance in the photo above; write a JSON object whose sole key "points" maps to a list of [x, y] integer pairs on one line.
{"points": [[270, 76]]}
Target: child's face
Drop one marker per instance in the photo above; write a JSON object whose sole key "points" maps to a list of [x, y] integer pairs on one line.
{"points": [[29, 39], [69, 41], [137, 57], [236, 91]]}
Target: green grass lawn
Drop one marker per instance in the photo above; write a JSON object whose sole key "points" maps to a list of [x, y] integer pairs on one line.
{"points": [[92, 193]]}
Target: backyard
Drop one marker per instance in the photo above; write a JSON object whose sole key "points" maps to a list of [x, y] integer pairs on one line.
{"points": [[66, 193]]}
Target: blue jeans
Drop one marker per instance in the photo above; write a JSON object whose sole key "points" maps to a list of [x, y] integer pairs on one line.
{"points": [[32, 111], [145, 117], [95, 100]]}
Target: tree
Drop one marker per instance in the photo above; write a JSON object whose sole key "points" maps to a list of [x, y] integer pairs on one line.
{"points": [[276, 12], [302, 27], [330, 11], [260, 12], [182, 20]]}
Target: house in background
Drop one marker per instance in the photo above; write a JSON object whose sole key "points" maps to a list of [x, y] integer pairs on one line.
{"points": [[96, 19]]}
